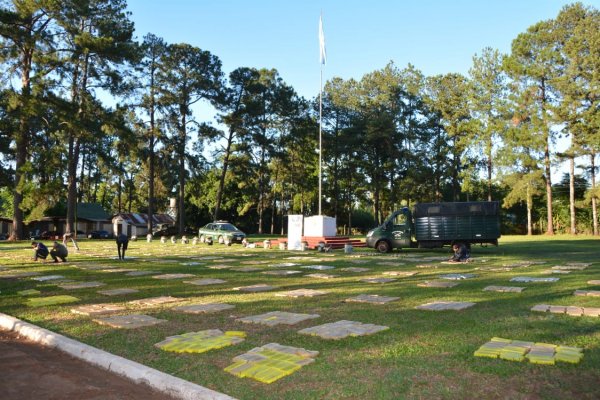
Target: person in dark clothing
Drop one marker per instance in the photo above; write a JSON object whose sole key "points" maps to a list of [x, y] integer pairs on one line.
{"points": [[122, 242], [59, 251], [461, 253], [39, 250]]}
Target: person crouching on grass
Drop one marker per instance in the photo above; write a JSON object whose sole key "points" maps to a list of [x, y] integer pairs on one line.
{"points": [[461, 253], [39, 251], [59, 251], [122, 242]]}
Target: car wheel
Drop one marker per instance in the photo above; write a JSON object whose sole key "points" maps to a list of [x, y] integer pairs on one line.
{"points": [[202, 239], [221, 240], [383, 246]]}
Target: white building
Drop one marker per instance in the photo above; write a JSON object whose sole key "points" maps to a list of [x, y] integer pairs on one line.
{"points": [[136, 224]]}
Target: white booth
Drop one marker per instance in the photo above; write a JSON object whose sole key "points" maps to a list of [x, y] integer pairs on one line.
{"points": [[295, 232], [319, 226]]}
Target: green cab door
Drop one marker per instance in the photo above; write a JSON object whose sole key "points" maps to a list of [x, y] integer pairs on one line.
{"points": [[399, 230]]}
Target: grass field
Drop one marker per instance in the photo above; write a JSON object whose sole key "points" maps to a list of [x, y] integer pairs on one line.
{"points": [[423, 354]]}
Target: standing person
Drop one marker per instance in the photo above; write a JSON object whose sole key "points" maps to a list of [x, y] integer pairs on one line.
{"points": [[461, 254], [71, 236], [59, 251], [39, 251], [122, 242]]}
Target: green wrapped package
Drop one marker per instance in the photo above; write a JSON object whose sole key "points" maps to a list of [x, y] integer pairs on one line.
{"points": [[512, 356], [572, 358], [544, 359], [572, 355], [50, 301], [569, 349], [481, 352], [498, 339]]}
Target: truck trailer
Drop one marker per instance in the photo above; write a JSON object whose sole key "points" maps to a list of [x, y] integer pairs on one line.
{"points": [[431, 225]]}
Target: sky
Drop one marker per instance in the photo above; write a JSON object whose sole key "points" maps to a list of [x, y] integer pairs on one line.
{"points": [[436, 36], [361, 36]]}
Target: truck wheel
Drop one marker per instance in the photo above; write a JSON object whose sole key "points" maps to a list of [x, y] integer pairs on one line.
{"points": [[383, 247]]}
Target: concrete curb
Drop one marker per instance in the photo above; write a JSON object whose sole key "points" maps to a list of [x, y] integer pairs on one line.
{"points": [[132, 370]]}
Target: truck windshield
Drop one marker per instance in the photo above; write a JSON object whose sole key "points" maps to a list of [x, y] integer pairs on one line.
{"points": [[399, 219]]}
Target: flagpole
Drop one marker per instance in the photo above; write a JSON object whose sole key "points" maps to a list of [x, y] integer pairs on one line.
{"points": [[322, 60], [320, 135]]}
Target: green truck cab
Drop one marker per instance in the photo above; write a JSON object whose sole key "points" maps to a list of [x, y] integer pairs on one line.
{"points": [[431, 225]]}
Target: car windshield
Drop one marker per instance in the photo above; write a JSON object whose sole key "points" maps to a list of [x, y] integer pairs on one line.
{"points": [[226, 227]]}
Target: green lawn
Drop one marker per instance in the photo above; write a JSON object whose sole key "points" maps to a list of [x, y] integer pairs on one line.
{"points": [[424, 354]]}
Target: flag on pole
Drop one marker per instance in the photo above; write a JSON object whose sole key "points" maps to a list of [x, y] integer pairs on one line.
{"points": [[322, 51]]}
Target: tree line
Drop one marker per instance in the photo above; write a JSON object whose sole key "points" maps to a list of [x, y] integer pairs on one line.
{"points": [[392, 138]]}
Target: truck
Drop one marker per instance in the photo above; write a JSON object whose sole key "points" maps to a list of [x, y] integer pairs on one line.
{"points": [[434, 225]]}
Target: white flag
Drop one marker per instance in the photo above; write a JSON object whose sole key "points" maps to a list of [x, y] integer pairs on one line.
{"points": [[322, 51]]}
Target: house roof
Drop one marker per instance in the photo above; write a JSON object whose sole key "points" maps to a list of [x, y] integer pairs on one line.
{"points": [[141, 219], [92, 212], [85, 211]]}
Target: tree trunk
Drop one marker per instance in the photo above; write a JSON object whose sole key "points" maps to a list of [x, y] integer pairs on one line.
{"points": [[550, 227], [74, 147], [438, 168], [181, 188], [226, 157], [119, 191], [489, 175], [376, 205], [335, 173], [350, 220], [260, 191], [95, 192], [82, 177], [103, 199], [529, 207], [594, 199], [547, 169], [22, 138], [273, 211], [151, 154], [281, 210], [129, 192], [150, 222], [455, 170], [22, 146], [572, 195], [77, 94]]}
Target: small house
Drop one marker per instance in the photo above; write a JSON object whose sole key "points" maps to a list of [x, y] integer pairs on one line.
{"points": [[88, 217], [136, 224]]}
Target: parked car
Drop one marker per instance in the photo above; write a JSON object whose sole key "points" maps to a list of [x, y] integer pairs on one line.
{"points": [[99, 235], [219, 231], [173, 231], [51, 235]]}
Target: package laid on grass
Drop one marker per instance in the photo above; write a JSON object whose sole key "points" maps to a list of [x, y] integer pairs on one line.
{"points": [[28, 292], [270, 362], [202, 341], [50, 301], [536, 353]]}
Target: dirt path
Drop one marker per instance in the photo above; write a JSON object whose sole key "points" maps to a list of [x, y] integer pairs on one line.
{"points": [[31, 371]]}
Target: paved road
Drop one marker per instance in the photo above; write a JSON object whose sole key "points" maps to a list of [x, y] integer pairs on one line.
{"points": [[31, 371]]}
